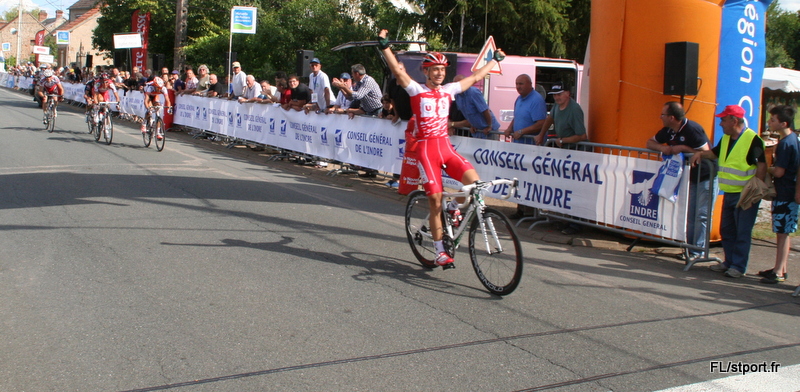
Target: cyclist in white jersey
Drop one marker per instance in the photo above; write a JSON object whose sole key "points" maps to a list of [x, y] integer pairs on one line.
{"points": [[430, 104], [49, 84]]}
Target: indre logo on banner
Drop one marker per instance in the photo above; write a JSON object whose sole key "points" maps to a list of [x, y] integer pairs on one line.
{"points": [[271, 126], [197, 113], [283, 128], [323, 137], [338, 138], [643, 202], [230, 118]]}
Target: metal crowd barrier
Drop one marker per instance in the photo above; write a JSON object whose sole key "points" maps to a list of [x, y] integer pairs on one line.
{"points": [[543, 216]]}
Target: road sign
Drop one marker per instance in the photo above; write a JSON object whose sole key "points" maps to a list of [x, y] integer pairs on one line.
{"points": [[486, 55], [41, 50]]}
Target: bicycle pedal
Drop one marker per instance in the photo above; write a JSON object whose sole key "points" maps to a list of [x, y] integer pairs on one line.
{"points": [[448, 266]]}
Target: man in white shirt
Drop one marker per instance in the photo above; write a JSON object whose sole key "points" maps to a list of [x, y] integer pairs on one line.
{"points": [[320, 87], [239, 80]]}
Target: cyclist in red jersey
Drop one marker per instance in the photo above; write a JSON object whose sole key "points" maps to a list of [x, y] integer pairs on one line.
{"points": [[430, 104], [103, 87], [49, 84], [154, 90]]}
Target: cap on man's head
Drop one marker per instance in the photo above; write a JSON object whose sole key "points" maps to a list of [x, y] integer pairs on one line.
{"points": [[732, 110], [176, 72], [236, 65], [558, 88], [344, 75], [315, 61]]}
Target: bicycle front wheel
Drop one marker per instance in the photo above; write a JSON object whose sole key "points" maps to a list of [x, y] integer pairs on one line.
{"points": [[99, 128], [51, 116], [160, 134], [497, 256], [418, 228], [108, 128]]}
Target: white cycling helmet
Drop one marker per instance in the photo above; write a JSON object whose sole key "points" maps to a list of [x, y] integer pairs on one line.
{"points": [[47, 73]]}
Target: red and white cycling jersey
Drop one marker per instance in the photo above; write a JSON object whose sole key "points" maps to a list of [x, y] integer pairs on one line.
{"points": [[432, 108], [104, 87], [50, 85]]}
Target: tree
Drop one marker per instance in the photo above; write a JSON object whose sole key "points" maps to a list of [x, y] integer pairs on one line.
{"points": [[782, 35], [12, 13]]}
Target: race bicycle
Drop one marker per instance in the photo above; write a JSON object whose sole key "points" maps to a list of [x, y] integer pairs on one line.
{"points": [[155, 127], [101, 118], [51, 113], [494, 247]]}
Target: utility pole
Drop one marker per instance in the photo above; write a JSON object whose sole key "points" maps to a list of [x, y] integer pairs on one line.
{"points": [[19, 31], [181, 18]]}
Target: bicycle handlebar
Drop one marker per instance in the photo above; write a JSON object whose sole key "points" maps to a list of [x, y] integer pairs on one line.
{"points": [[469, 190], [106, 103]]}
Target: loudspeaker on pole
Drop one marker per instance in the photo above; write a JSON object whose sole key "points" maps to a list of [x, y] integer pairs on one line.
{"points": [[302, 67]]}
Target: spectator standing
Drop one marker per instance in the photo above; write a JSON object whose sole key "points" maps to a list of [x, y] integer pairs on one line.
{"points": [[299, 94], [215, 89], [320, 87], [191, 82], [784, 205], [740, 154], [251, 91], [239, 81], [530, 111], [365, 90], [680, 134], [203, 78], [475, 110], [177, 84]]}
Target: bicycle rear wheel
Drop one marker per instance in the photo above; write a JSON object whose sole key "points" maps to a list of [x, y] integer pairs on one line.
{"points": [[497, 257], [108, 128], [90, 122], [159, 130], [418, 229], [147, 135]]}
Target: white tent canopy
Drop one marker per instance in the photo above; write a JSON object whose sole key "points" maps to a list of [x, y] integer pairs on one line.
{"points": [[784, 79]]}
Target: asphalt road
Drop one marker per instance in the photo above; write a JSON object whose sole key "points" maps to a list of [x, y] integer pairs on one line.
{"points": [[196, 269]]}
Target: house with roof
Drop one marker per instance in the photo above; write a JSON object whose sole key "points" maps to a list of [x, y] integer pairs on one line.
{"points": [[83, 16], [23, 31]]}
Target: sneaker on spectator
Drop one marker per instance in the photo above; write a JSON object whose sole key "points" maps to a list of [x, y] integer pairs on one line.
{"points": [[719, 267], [733, 273], [770, 272], [443, 259]]}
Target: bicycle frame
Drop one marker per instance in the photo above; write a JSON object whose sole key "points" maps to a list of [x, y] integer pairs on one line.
{"points": [[475, 205]]}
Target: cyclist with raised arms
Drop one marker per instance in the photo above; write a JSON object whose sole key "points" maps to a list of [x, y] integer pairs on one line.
{"points": [[49, 84], [430, 104], [154, 90]]}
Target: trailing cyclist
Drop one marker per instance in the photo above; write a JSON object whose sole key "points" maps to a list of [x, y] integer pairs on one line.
{"points": [[154, 90], [49, 84], [430, 104], [102, 89]]}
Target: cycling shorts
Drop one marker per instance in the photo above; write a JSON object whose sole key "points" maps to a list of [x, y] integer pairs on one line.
{"points": [[435, 154], [106, 95]]}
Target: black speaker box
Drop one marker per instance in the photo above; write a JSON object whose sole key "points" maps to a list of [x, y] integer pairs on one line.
{"points": [[120, 59], [302, 66], [680, 68], [89, 60]]}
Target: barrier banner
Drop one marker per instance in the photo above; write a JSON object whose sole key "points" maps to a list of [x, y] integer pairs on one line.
{"points": [[610, 189]]}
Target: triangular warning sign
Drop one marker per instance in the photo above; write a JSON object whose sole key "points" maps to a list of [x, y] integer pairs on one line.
{"points": [[486, 55]]}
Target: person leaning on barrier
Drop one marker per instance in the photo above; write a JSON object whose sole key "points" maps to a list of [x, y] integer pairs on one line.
{"points": [[477, 116], [530, 111], [342, 103], [740, 154], [365, 90], [203, 78], [680, 134], [215, 88], [251, 91], [191, 82], [784, 205], [566, 116], [267, 93], [299, 94]]}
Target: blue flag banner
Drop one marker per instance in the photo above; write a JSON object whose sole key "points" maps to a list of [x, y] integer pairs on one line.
{"points": [[742, 55]]}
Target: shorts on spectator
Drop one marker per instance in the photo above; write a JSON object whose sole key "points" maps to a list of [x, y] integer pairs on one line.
{"points": [[784, 217]]}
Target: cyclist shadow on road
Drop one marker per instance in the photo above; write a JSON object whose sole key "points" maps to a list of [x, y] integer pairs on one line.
{"points": [[374, 265]]}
